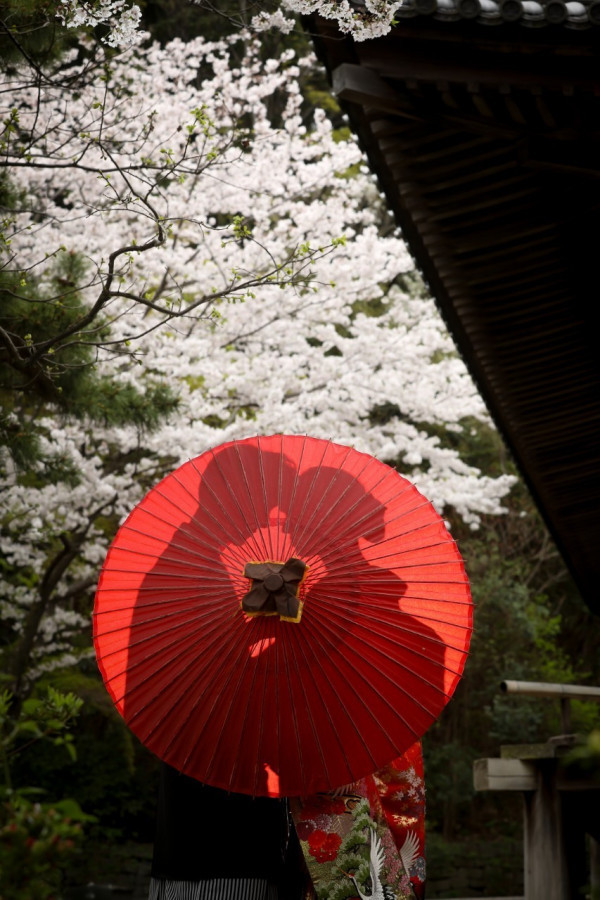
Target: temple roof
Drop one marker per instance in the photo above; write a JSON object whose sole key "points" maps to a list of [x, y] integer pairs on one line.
{"points": [[486, 141], [529, 13]]}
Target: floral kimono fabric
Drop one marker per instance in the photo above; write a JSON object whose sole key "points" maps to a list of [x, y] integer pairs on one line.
{"points": [[367, 839]]}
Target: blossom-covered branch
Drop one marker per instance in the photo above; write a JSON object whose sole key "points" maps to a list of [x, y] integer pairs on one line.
{"points": [[363, 19], [121, 17]]}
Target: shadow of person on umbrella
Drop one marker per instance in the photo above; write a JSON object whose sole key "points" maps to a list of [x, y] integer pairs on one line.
{"points": [[368, 598], [209, 841]]}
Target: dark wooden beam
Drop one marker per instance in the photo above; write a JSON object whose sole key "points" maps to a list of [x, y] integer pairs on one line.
{"points": [[481, 67]]}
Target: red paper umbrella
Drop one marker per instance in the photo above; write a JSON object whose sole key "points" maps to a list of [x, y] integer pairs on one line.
{"points": [[281, 616]]}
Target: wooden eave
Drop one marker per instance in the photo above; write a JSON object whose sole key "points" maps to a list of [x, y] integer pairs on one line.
{"points": [[486, 143]]}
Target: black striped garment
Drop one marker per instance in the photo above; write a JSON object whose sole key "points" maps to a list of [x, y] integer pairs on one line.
{"points": [[212, 889]]}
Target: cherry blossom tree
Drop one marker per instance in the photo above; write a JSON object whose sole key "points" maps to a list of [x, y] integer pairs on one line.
{"points": [[364, 20], [228, 251]]}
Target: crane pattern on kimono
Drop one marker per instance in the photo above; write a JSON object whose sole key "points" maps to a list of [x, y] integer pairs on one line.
{"points": [[409, 851], [379, 891]]}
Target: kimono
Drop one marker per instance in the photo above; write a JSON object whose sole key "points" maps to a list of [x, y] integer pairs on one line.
{"points": [[364, 837], [368, 838]]}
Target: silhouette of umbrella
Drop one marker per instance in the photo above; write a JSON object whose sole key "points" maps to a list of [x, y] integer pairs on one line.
{"points": [[282, 615]]}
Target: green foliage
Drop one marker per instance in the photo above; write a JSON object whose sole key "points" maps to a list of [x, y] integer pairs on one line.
{"points": [[37, 844], [584, 759], [47, 717], [50, 320], [529, 625], [31, 27], [475, 867], [20, 439], [168, 19], [115, 778], [107, 402], [37, 839], [48, 360]]}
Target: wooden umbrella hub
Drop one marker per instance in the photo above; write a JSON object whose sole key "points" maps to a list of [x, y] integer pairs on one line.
{"points": [[275, 589]]}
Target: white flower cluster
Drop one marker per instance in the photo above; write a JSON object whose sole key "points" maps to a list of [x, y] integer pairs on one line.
{"points": [[264, 20], [364, 21], [122, 19]]}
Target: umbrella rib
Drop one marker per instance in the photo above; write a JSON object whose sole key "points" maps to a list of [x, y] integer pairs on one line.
{"points": [[162, 617], [422, 599], [261, 718], [279, 488], [370, 618], [307, 671], [223, 686], [216, 745], [172, 577], [308, 492], [260, 638], [289, 681], [387, 475], [420, 504], [445, 543], [290, 522], [226, 517], [318, 469], [143, 588], [279, 481], [131, 667], [357, 674], [438, 664], [261, 472], [191, 517], [393, 603], [217, 653], [338, 546], [181, 529], [275, 657], [219, 523], [205, 482], [157, 491], [279, 550], [325, 627], [448, 623], [175, 562], [172, 543], [355, 566], [364, 610], [250, 497]]}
